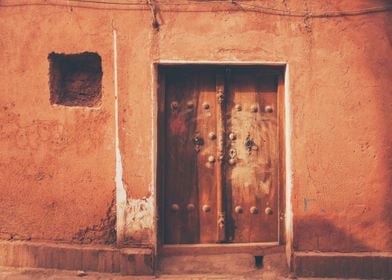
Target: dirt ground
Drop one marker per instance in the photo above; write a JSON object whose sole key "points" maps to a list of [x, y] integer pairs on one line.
{"points": [[7, 273], [10, 273]]}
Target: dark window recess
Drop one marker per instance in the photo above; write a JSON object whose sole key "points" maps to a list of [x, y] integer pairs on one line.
{"points": [[75, 79]]}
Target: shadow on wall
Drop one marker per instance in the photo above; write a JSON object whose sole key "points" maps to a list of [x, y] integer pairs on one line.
{"points": [[379, 65], [315, 232], [319, 234]]}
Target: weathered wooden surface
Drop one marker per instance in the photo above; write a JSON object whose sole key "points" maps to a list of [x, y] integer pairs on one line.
{"points": [[190, 178], [220, 166], [252, 177], [221, 156]]}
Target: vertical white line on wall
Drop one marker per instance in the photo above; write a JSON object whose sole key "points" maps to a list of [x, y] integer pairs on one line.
{"points": [[121, 197], [289, 172]]}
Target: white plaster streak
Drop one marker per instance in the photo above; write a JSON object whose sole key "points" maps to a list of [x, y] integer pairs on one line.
{"points": [[288, 163], [121, 197]]}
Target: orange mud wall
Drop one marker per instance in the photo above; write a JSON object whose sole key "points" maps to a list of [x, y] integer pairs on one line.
{"points": [[58, 163]]}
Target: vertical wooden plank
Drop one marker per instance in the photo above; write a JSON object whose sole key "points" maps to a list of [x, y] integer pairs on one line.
{"points": [[161, 154], [207, 156], [181, 222], [252, 176], [190, 184], [220, 168], [236, 173]]}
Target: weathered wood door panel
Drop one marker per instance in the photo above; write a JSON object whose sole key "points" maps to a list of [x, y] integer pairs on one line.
{"points": [[221, 156], [252, 172], [190, 145]]}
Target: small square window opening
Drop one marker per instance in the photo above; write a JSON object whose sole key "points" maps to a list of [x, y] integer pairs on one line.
{"points": [[75, 79]]}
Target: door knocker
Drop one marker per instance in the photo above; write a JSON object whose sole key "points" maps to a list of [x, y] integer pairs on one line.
{"points": [[197, 142], [232, 156], [250, 144]]}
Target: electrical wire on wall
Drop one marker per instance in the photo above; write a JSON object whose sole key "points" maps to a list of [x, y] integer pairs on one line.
{"points": [[188, 5], [322, 14], [243, 3]]}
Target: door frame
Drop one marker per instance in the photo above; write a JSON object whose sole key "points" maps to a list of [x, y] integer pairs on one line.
{"points": [[284, 182]]}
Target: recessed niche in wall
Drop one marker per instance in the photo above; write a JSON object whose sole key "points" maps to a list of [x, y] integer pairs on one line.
{"points": [[75, 79]]}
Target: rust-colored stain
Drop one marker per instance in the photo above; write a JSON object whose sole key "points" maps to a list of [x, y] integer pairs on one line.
{"points": [[178, 126]]}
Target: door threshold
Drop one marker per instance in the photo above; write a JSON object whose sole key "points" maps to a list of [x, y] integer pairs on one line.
{"points": [[256, 249]]}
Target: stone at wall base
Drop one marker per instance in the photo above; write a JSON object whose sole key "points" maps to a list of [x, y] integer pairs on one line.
{"points": [[343, 265], [129, 261]]}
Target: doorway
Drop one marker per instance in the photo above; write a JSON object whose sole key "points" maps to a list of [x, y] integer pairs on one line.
{"points": [[220, 162]]}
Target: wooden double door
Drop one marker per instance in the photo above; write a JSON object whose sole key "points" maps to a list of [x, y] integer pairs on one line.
{"points": [[221, 155]]}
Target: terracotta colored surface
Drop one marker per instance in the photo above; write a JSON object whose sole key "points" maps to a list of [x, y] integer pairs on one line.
{"points": [[128, 261], [57, 162], [7, 273], [345, 265], [57, 183]]}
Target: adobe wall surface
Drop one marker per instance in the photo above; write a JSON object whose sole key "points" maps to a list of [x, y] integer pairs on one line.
{"points": [[59, 163]]}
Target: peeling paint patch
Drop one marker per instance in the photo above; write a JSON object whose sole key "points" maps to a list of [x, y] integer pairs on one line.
{"points": [[266, 185], [139, 218], [102, 233]]}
